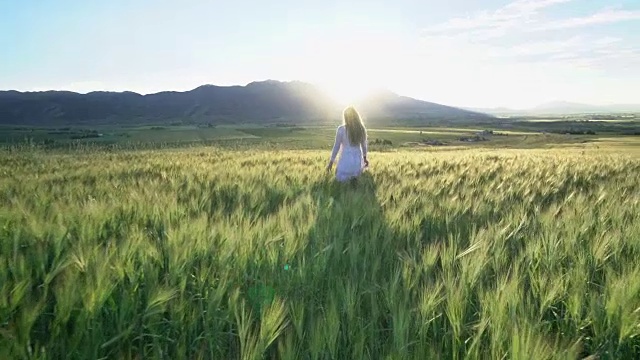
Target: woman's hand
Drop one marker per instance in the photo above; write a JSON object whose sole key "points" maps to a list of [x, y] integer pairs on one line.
{"points": [[329, 166], [366, 162]]}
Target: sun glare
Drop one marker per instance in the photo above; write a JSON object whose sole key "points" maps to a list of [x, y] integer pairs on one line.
{"points": [[350, 67], [345, 94], [349, 91]]}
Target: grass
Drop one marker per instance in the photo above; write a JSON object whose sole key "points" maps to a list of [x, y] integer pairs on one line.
{"points": [[210, 253]]}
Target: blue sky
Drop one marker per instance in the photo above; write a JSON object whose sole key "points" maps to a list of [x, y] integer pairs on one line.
{"points": [[463, 53]]}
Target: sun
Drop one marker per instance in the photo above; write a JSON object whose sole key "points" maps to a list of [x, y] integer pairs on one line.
{"points": [[348, 91], [345, 95]]}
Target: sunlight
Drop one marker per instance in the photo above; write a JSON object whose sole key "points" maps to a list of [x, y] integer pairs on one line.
{"points": [[347, 92], [349, 68]]}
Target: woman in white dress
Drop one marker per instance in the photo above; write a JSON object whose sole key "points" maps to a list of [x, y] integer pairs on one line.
{"points": [[351, 137]]}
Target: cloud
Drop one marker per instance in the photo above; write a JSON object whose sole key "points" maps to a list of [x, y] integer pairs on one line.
{"points": [[525, 53], [523, 16], [519, 33], [605, 56], [599, 18], [573, 45], [495, 23], [600, 54], [546, 47], [530, 6]]}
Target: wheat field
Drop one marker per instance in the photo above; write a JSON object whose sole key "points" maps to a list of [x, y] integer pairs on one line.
{"points": [[206, 253]]}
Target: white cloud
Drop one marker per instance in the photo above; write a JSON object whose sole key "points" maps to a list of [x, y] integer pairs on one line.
{"points": [[492, 24], [533, 5], [523, 16], [567, 48], [523, 56], [603, 17], [487, 35], [546, 47]]}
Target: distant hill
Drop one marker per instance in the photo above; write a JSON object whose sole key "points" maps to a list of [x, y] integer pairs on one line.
{"points": [[385, 107], [258, 102], [562, 107]]}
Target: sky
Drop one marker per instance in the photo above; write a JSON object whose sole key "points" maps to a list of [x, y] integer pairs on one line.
{"points": [[475, 53]]}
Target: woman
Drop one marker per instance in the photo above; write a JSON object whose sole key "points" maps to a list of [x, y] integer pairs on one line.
{"points": [[351, 136]]}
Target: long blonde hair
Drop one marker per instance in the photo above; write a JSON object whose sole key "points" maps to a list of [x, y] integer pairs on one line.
{"points": [[354, 126]]}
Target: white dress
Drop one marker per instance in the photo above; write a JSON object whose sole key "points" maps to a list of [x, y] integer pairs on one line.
{"points": [[351, 163]]}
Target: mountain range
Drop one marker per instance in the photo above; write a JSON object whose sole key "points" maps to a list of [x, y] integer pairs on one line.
{"points": [[562, 107], [258, 102]]}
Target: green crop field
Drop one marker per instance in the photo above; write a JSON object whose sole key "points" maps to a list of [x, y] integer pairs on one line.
{"points": [[215, 252]]}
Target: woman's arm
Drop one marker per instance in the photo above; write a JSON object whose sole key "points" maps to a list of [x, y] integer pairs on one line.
{"points": [[336, 147], [365, 148], [365, 144]]}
